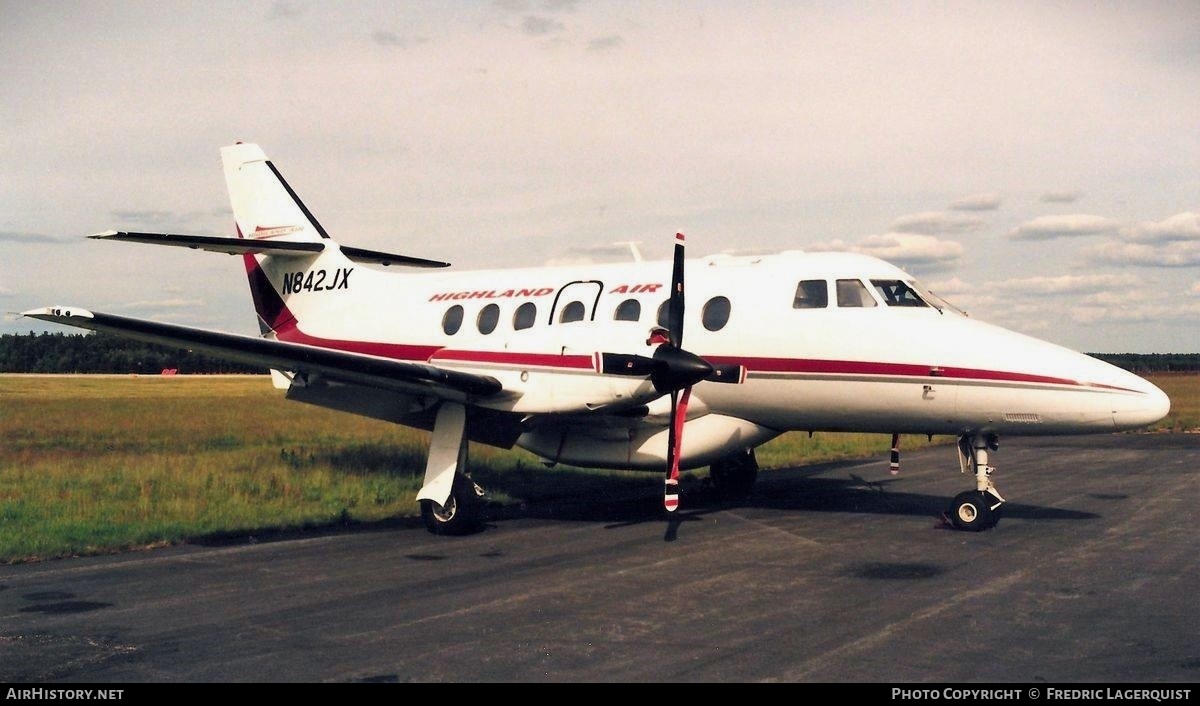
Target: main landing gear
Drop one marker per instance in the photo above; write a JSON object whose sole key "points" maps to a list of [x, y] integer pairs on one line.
{"points": [[979, 509], [461, 514], [733, 476], [451, 503]]}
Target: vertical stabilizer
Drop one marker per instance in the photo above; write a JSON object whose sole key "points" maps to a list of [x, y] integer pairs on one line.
{"points": [[264, 205]]}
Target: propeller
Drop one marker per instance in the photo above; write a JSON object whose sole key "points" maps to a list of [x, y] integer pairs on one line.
{"points": [[672, 370]]}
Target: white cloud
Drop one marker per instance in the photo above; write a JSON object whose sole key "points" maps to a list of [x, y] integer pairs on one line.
{"points": [[605, 43], [1171, 254], [1140, 312], [1061, 196], [933, 222], [1067, 284], [587, 255], [283, 10], [976, 202], [537, 26], [913, 249], [5, 291], [158, 304], [391, 39], [17, 237], [952, 286], [1180, 227], [1068, 226], [1195, 288]]}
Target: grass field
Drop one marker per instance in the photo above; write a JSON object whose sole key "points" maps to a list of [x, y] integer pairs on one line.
{"points": [[97, 464]]}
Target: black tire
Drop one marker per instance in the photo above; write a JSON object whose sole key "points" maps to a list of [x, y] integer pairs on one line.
{"points": [[972, 511], [733, 476], [462, 513]]}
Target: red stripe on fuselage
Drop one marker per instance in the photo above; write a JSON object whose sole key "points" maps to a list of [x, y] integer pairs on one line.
{"points": [[548, 360], [433, 354], [856, 367]]}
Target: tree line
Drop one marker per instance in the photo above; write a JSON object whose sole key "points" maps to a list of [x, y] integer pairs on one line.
{"points": [[106, 353], [1153, 362]]}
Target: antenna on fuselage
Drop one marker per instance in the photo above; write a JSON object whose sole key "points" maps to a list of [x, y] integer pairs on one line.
{"points": [[633, 248]]}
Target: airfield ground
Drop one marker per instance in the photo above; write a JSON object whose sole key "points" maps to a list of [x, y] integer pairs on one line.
{"points": [[837, 572]]}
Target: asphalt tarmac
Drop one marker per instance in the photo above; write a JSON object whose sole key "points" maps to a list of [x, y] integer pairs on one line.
{"points": [[837, 572]]}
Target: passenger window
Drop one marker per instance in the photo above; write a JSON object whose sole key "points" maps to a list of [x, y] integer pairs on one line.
{"points": [[715, 314], [661, 316], [897, 293], [811, 294], [525, 316], [452, 320], [572, 312], [628, 310], [853, 293], [488, 317]]}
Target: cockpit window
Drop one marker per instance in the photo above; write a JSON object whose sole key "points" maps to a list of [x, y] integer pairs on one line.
{"points": [[811, 294], [897, 293], [853, 293]]}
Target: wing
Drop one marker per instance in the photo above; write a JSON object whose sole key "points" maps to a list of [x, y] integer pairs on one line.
{"points": [[344, 366], [256, 246]]}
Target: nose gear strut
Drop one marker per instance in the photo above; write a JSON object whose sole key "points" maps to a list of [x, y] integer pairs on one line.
{"points": [[979, 509]]}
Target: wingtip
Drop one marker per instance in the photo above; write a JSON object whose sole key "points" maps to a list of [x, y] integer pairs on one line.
{"points": [[105, 234], [53, 313]]}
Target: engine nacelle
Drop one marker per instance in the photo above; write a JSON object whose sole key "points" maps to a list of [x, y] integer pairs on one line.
{"points": [[643, 446]]}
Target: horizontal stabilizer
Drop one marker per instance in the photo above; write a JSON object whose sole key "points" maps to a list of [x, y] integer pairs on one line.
{"points": [[385, 259], [345, 366], [233, 246], [239, 246]]}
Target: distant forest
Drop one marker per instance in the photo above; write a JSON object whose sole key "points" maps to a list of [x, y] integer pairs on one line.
{"points": [[106, 353]]}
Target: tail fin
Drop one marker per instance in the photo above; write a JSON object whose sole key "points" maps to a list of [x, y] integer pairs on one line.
{"points": [[264, 205], [267, 209]]}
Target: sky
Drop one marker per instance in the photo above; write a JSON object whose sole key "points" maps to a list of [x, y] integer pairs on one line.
{"points": [[1038, 164]]}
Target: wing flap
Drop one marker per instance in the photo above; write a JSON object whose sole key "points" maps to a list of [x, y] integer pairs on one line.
{"points": [[344, 366]]}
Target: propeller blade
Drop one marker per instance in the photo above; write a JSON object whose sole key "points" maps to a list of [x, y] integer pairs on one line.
{"points": [[731, 373], [627, 364], [679, 405], [675, 305]]}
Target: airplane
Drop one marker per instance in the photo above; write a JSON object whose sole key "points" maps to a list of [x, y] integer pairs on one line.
{"points": [[587, 364]]}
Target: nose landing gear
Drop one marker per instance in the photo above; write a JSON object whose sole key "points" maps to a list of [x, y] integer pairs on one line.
{"points": [[979, 509]]}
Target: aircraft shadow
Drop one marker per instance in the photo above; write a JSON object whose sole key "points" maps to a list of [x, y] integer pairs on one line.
{"points": [[793, 489], [617, 501]]}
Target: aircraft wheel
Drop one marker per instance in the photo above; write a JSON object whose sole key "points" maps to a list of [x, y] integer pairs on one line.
{"points": [[733, 476], [462, 513], [972, 511]]}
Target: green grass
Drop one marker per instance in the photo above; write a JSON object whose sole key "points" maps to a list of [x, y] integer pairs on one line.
{"points": [[98, 464], [1184, 391]]}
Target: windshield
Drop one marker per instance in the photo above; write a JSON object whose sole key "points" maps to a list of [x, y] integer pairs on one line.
{"points": [[934, 300], [897, 293]]}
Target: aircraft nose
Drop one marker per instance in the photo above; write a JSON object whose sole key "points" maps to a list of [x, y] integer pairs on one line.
{"points": [[1143, 409]]}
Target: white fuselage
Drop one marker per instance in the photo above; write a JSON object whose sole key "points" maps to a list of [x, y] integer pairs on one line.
{"points": [[874, 368]]}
